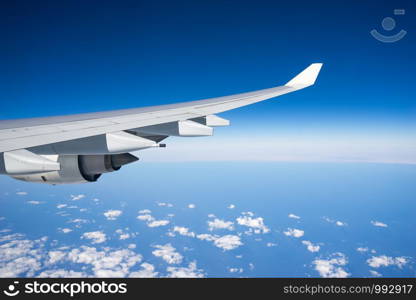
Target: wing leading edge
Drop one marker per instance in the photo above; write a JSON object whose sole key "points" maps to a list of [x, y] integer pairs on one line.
{"points": [[80, 148], [28, 133]]}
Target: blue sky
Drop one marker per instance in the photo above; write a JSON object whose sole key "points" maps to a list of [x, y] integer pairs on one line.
{"points": [[74, 56]]}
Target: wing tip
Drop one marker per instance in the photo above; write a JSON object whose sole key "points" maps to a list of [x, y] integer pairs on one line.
{"points": [[307, 77]]}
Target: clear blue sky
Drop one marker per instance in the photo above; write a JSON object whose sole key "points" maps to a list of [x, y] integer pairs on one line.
{"points": [[65, 57]]}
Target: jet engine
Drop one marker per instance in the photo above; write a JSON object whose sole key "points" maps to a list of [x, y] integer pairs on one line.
{"points": [[79, 168]]}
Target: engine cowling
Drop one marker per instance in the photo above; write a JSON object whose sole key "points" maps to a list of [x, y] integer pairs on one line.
{"points": [[80, 168]]}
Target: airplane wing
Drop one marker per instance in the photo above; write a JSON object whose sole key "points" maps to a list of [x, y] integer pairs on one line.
{"points": [[26, 145]]}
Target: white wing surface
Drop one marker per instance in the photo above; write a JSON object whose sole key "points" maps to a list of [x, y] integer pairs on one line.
{"points": [[123, 131]]}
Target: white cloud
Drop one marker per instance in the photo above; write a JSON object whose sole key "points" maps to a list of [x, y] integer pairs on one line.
{"points": [[183, 231], [145, 217], [105, 263], [375, 273], [158, 223], [20, 256], [311, 247], [293, 216], [362, 249], [336, 222], [297, 233], [65, 230], [147, 271], [55, 256], [165, 204], [271, 244], [231, 206], [220, 224], [105, 273], [124, 236], [191, 205], [151, 221], [61, 273], [385, 261], [63, 213], [61, 205], [112, 214], [379, 224], [145, 211], [97, 237], [228, 242], [19, 266], [168, 254], [256, 225], [77, 197], [206, 237], [10, 237], [21, 193], [332, 267], [88, 255], [185, 272], [34, 202], [235, 270], [23, 258], [79, 221]]}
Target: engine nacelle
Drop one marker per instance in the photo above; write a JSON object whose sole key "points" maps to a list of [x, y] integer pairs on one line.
{"points": [[79, 168]]}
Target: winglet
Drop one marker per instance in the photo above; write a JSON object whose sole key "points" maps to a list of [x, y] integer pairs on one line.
{"points": [[307, 77]]}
